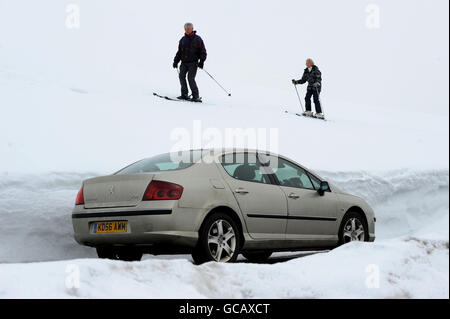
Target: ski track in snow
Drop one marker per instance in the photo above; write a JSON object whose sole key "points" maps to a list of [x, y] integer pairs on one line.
{"points": [[411, 254]]}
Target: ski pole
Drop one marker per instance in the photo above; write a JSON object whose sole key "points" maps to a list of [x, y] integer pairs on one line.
{"points": [[299, 99], [229, 94]]}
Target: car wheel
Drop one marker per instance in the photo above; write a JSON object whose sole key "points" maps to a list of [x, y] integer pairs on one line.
{"points": [[353, 228], [122, 253], [219, 240], [257, 256]]}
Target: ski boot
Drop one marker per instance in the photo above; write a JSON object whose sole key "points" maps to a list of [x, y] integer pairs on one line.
{"points": [[307, 113], [319, 116], [183, 97], [196, 99]]}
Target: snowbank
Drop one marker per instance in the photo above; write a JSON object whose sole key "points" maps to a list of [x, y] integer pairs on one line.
{"points": [[35, 209], [406, 202], [398, 268], [35, 214]]}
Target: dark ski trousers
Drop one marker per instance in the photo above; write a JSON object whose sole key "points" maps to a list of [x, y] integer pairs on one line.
{"points": [[191, 70], [313, 92]]}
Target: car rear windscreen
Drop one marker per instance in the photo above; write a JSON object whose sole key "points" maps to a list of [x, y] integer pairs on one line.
{"points": [[163, 162]]}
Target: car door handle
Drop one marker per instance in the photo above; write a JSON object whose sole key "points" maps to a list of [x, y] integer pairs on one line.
{"points": [[293, 195], [241, 191]]}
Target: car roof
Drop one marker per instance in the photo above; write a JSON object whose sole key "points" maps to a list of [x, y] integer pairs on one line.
{"points": [[225, 150]]}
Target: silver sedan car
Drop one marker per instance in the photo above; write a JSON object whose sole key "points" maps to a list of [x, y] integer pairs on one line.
{"points": [[216, 204]]}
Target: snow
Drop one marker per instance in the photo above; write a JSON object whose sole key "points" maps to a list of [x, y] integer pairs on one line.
{"points": [[410, 253], [78, 103], [408, 267]]}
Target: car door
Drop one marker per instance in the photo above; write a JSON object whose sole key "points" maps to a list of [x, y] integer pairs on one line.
{"points": [[310, 215], [262, 203]]}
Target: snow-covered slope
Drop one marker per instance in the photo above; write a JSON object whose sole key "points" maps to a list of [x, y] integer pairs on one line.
{"points": [[76, 103], [81, 99]]}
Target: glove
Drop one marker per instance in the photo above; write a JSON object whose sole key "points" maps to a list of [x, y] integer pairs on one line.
{"points": [[294, 81], [200, 64], [316, 85], [175, 65]]}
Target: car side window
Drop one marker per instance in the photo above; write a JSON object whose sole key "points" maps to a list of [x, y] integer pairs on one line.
{"points": [[315, 181], [292, 175], [245, 167]]}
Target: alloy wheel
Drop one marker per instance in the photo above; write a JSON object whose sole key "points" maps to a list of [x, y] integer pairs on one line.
{"points": [[221, 240], [353, 230]]}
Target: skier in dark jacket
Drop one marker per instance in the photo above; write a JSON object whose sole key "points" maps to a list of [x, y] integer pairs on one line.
{"points": [[192, 54], [313, 76]]}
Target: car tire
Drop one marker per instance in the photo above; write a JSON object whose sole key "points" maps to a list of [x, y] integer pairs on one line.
{"points": [[122, 253], [257, 256], [351, 225], [219, 240]]}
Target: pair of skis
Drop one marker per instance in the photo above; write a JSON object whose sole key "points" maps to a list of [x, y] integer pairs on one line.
{"points": [[175, 99], [181, 100], [308, 116], [301, 105]]}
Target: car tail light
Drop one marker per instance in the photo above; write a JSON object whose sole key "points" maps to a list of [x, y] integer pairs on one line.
{"points": [[80, 197], [158, 190]]}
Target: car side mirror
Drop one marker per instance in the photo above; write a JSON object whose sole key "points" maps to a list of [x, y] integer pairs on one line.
{"points": [[324, 187]]}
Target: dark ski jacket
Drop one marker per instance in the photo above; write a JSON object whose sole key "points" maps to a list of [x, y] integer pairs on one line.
{"points": [[190, 49], [311, 77]]}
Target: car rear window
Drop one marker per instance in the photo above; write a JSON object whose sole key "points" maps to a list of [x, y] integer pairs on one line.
{"points": [[163, 162]]}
